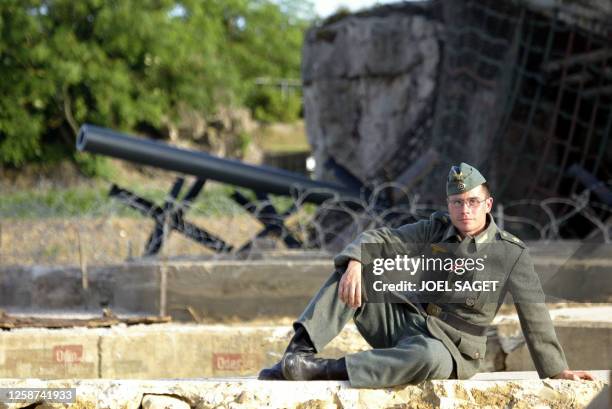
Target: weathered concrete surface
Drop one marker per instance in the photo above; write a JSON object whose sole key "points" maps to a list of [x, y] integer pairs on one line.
{"points": [[247, 393], [163, 402], [216, 290], [153, 351], [573, 270], [197, 351], [125, 287], [369, 83], [191, 350], [584, 333], [277, 284], [51, 354], [244, 289]]}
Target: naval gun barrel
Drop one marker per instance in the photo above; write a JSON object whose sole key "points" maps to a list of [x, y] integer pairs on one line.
{"points": [[266, 179]]}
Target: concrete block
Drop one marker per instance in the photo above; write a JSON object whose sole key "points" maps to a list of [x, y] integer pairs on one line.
{"points": [[250, 393], [141, 352], [191, 350], [124, 288], [54, 354], [244, 289], [586, 345], [153, 351], [218, 289], [188, 351], [272, 285]]}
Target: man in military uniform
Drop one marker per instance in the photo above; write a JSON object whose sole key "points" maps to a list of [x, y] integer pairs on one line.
{"points": [[411, 341]]}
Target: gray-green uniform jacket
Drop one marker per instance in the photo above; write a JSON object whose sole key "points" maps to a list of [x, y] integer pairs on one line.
{"points": [[508, 261]]}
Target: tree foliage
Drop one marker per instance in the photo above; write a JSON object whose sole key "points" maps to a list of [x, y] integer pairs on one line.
{"points": [[127, 64]]}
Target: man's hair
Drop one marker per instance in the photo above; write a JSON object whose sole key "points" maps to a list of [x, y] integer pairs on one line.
{"points": [[487, 190]]}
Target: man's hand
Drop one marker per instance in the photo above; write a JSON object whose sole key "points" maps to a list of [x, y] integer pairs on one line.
{"points": [[349, 289], [574, 375]]}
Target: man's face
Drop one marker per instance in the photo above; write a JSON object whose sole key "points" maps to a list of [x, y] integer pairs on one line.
{"points": [[468, 210]]}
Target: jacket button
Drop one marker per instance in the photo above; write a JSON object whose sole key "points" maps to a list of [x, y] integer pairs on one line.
{"points": [[477, 355], [470, 301]]}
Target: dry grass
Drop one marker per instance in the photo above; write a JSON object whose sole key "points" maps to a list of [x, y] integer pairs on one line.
{"points": [[283, 138], [107, 240]]}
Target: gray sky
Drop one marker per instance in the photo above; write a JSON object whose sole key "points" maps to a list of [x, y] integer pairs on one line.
{"points": [[326, 7]]}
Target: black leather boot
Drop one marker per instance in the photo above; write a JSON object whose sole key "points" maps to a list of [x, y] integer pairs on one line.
{"points": [[299, 344], [299, 367]]}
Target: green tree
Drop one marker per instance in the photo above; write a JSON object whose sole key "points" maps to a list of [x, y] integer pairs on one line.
{"points": [[132, 64]]}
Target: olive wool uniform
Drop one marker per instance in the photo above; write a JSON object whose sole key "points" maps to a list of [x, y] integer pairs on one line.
{"points": [[412, 343]]}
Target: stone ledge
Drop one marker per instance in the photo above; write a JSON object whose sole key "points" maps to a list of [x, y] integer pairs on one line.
{"points": [[200, 351], [245, 393], [218, 289]]}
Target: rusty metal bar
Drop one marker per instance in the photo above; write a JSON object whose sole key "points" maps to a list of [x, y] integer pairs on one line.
{"points": [[572, 131], [516, 83], [534, 104], [553, 126], [589, 180], [596, 91], [577, 78], [591, 129], [583, 58], [604, 143]]}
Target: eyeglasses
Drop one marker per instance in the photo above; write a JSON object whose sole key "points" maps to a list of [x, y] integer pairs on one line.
{"points": [[472, 202]]}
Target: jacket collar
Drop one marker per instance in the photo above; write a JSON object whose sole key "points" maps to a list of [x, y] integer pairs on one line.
{"points": [[451, 234]]}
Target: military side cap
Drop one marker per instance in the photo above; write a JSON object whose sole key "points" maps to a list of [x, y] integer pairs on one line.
{"points": [[462, 178]]}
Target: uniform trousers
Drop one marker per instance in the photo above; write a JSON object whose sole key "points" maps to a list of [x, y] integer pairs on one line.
{"points": [[404, 352]]}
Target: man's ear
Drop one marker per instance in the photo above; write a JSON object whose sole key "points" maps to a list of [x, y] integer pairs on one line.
{"points": [[489, 204]]}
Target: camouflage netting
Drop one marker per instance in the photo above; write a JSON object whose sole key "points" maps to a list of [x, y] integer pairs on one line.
{"points": [[521, 92], [527, 94]]}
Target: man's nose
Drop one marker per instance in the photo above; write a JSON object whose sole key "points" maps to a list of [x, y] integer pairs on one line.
{"points": [[465, 207]]}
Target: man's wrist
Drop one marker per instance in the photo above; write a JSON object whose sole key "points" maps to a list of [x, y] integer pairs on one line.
{"points": [[560, 375], [557, 376]]}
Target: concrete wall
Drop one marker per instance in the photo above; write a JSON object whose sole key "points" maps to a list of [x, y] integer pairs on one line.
{"points": [[153, 351], [247, 289], [190, 350], [586, 346], [215, 290]]}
